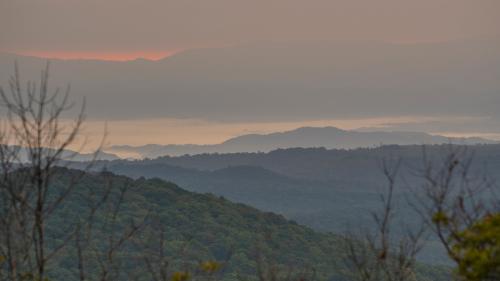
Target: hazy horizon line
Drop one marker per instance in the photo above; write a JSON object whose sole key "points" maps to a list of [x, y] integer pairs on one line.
{"points": [[158, 55]]}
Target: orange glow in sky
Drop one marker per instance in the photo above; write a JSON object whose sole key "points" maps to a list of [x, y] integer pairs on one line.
{"points": [[110, 56]]}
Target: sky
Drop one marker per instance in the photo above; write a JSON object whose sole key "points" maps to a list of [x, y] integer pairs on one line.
{"points": [[235, 66], [122, 29]]}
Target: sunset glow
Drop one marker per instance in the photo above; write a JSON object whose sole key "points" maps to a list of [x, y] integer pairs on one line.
{"points": [[109, 56]]}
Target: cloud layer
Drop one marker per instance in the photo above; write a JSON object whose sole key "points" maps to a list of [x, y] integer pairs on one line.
{"points": [[159, 25]]}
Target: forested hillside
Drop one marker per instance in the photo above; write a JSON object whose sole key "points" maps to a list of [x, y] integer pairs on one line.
{"points": [[197, 227]]}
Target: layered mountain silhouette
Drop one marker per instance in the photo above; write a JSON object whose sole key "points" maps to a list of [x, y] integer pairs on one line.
{"points": [[324, 189], [65, 155], [328, 137]]}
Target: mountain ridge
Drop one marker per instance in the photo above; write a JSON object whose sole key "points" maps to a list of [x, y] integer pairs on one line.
{"points": [[328, 137]]}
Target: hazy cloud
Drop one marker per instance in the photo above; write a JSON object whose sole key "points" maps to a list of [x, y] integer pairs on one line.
{"points": [[132, 25]]}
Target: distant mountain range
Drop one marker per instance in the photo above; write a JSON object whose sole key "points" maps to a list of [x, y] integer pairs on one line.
{"points": [[70, 155], [84, 157], [328, 137]]}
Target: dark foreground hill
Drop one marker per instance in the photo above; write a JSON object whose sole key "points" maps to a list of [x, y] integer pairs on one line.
{"points": [[198, 227]]}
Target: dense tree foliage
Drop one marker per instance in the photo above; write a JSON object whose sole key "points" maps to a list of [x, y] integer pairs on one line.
{"points": [[479, 250]]}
